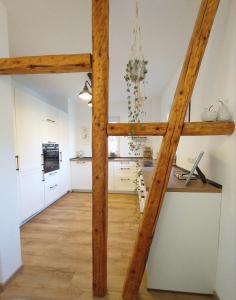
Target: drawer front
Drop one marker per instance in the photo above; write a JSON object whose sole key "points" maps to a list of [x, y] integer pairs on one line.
{"points": [[124, 184], [51, 177], [51, 193]]}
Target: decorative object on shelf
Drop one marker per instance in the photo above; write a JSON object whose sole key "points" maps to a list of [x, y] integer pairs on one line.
{"points": [[86, 93], [223, 113], [209, 114], [147, 157], [136, 71]]}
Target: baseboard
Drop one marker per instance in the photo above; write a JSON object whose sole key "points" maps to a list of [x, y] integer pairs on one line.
{"points": [[4, 285]]}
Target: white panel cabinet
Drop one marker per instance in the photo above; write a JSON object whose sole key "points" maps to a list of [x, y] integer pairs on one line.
{"points": [[81, 175], [36, 123], [28, 113], [121, 176], [50, 125], [31, 193], [124, 176], [183, 255]]}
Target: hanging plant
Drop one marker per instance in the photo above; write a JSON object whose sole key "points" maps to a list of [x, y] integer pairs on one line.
{"points": [[136, 71]]}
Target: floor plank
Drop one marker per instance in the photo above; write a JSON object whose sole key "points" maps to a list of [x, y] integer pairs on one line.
{"points": [[57, 256]]}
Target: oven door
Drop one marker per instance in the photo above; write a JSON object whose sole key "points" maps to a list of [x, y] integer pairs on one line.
{"points": [[51, 158]]}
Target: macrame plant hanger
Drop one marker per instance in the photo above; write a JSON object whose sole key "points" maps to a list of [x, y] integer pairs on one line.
{"points": [[136, 71]]}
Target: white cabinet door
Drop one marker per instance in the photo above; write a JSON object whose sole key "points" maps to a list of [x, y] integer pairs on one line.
{"points": [[50, 124], [111, 186], [31, 193], [81, 175], [63, 137], [52, 188], [64, 179], [28, 130]]}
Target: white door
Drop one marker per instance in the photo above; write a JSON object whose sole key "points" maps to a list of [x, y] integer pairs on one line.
{"points": [[31, 193]]}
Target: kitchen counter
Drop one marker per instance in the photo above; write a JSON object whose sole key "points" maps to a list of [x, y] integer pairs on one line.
{"points": [[110, 158], [176, 185]]}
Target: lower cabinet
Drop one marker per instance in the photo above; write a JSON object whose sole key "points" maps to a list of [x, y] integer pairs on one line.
{"points": [[38, 190], [121, 176], [31, 194], [81, 175], [183, 255], [51, 187]]}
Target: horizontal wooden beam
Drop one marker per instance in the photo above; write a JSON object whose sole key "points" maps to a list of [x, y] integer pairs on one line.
{"points": [[159, 129], [45, 64]]}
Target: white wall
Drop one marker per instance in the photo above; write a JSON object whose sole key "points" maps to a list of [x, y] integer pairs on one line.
{"points": [[10, 253], [81, 115], [216, 80]]}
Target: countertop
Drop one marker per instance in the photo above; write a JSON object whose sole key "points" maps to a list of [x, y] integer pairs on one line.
{"points": [[176, 185], [110, 158]]}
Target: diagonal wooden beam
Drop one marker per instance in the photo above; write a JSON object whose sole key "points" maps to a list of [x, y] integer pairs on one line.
{"points": [[46, 64], [169, 145], [159, 129], [100, 28]]}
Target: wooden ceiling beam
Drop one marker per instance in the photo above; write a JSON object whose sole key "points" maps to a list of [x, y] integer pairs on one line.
{"points": [[159, 129], [169, 146], [46, 64]]}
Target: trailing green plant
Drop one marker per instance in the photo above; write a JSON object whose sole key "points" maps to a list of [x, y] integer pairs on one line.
{"points": [[135, 75]]}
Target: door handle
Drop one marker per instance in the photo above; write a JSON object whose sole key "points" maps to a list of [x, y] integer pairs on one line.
{"points": [[17, 163], [60, 156]]}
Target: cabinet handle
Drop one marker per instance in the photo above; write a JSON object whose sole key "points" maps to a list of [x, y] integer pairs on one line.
{"points": [[17, 163], [53, 187], [60, 156], [49, 142], [125, 179], [43, 176], [125, 168], [50, 121], [53, 173]]}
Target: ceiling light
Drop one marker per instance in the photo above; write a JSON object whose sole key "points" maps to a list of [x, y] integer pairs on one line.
{"points": [[86, 94], [90, 104]]}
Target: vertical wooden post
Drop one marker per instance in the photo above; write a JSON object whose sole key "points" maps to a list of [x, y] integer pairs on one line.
{"points": [[169, 145], [100, 32]]}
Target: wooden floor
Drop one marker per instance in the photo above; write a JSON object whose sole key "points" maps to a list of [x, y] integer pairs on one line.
{"points": [[56, 249]]}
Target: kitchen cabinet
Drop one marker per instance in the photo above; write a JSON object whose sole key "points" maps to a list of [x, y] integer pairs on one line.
{"points": [[121, 176], [64, 179], [184, 250], [81, 175], [52, 187], [37, 122], [50, 125], [28, 114], [124, 176], [31, 194]]}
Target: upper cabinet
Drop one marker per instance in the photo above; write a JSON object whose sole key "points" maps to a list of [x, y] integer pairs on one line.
{"points": [[50, 121], [29, 113]]}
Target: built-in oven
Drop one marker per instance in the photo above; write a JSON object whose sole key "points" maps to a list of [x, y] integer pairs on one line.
{"points": [[51, 157]]}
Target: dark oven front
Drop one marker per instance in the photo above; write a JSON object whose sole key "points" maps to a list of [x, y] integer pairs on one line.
{"points": [[51, 157]]}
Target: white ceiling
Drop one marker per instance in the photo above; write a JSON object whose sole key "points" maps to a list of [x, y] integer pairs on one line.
{"points": [[64, 26]]}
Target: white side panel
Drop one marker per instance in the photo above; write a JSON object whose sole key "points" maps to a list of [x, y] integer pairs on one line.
{"points": [[183, 255], [10, 252]]}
